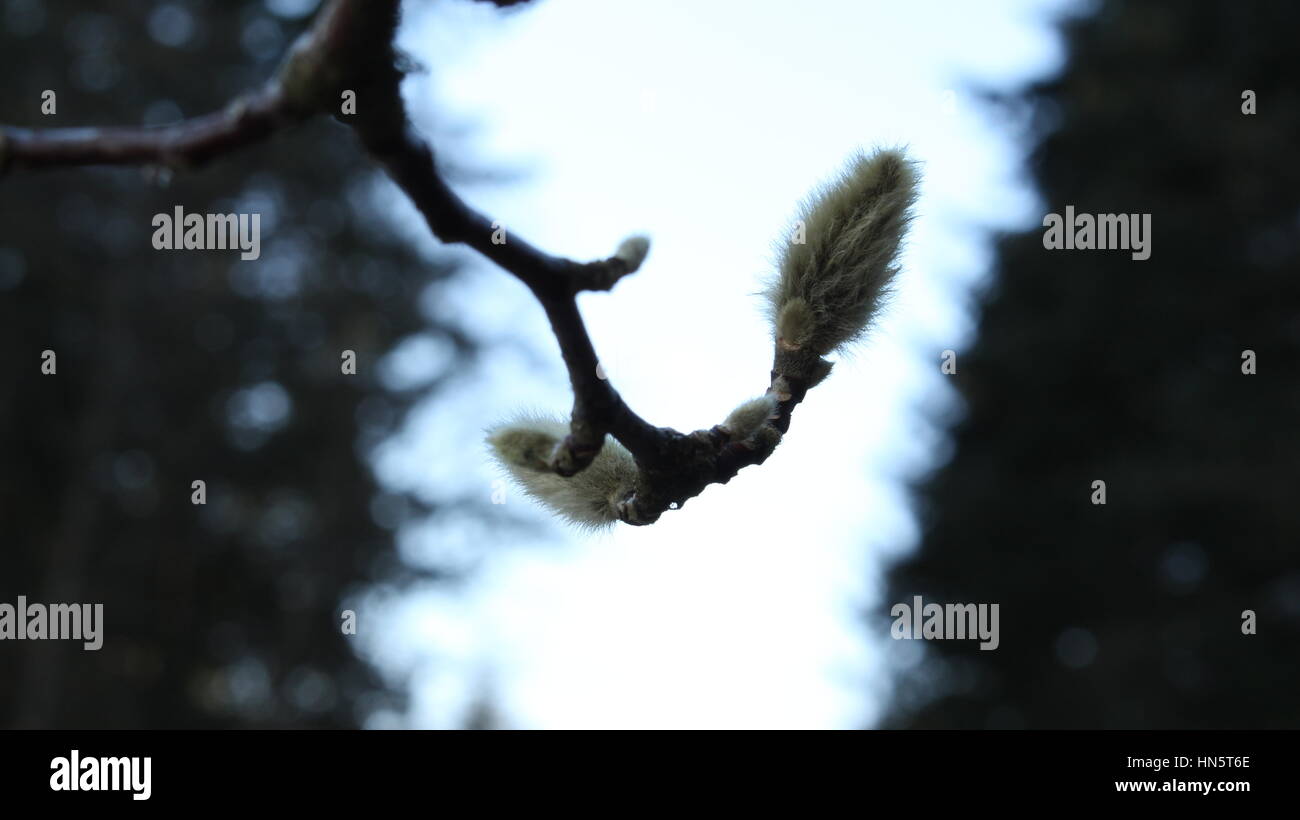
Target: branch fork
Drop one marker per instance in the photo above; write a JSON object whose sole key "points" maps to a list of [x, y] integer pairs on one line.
{"points": [[607, 463]]}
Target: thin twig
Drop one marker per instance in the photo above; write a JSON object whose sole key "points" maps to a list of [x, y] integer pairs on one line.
{"points": [[350, 47]]}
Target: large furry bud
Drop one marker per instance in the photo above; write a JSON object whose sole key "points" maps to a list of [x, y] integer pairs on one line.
{"points": [[830, 285]]}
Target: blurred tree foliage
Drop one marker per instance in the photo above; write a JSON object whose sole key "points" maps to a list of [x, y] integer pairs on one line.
{"points": [[183, 366], [1091, 366]]}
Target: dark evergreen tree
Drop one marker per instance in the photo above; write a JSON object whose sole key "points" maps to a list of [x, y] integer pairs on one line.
{"points": [[1090, 366], [174, 367]]}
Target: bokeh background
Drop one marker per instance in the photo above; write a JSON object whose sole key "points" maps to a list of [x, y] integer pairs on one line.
{"points": [[763, 603]]}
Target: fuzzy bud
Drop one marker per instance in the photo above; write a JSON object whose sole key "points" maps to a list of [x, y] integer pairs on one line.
{"points": [[589, 499], [633, 251], [746, 419], [830, 286]]}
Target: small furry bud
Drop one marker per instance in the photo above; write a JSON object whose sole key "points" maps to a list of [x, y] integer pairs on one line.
{"points": [[633, 251], [523, 446], [829, 287], [746, 419], [590, 498]]}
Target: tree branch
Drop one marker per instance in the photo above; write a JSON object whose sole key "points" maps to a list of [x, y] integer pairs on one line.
{"points": [[191, 143], [349, 47]]}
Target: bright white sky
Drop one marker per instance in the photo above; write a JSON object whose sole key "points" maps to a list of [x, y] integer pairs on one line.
{"points": [[701, 124]]}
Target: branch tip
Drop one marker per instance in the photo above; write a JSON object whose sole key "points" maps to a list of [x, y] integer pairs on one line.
{"points": [[632, 252]]}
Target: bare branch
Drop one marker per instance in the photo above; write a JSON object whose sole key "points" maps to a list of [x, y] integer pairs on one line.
{"points": [[349, 47], [190, 143]]}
